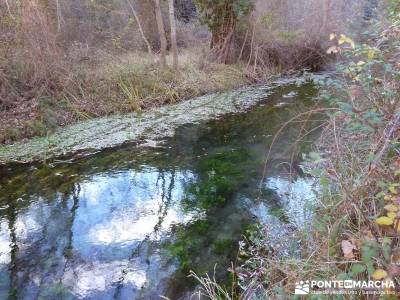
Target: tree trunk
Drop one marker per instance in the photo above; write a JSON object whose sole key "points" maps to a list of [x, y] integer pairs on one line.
{"points": [[223, 36], [59, 16], [173, 34], [146, 41], [326, 16], [9, 10], [161, 33]]}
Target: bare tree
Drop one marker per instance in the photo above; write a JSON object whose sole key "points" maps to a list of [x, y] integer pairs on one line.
{"points": [[140, 27], [59, 15], [8, 9], [326, 15], [173, 34], [161, 33]]}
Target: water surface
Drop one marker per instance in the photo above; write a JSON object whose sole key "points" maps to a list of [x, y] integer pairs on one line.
{"points": [[131, 222]]}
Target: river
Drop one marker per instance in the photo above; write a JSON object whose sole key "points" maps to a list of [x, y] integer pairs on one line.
{"points": [[131, 221]]}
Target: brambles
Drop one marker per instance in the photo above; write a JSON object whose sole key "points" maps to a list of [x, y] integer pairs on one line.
{"points": [[357, 222]]}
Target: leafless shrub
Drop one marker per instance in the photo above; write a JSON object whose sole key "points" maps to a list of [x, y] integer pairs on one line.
{"points": [[41, 52], [299, 39]]}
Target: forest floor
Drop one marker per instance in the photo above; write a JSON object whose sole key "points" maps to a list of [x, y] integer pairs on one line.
{"points": [[115, 85]]}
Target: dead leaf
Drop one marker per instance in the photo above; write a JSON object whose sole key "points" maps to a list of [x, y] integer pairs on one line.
{"points": [[391, 208], [395, 257], [333, 50], [384, 221], [397, 162], [394, 270], [356, 242], [347, 248], [379, 274], [356, 91]]}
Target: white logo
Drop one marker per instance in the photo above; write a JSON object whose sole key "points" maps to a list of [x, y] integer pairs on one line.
{"points": [[302, 288]]}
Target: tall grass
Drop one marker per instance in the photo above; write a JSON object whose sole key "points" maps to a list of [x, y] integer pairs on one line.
{"points": [[117, 84]]}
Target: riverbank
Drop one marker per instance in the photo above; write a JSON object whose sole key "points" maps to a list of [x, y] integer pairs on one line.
{"points": [[109, 86], [145, 128], [354, 234]]}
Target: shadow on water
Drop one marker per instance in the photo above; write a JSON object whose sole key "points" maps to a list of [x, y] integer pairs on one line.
{"points": [[130, 223]]}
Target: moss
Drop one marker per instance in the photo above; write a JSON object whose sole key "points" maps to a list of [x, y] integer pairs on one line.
{"points": [[189, 240], [220, 176], [223, 245]]}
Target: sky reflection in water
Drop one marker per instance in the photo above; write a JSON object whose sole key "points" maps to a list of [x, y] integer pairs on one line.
{"points": [[129, 223]]}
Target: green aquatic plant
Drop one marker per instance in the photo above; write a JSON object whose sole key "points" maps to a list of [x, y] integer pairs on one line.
{"points": [[220, 176], [189, 240]]}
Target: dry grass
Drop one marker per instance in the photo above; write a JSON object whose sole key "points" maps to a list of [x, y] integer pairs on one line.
{"points": [[54, 72], [115, 84]]}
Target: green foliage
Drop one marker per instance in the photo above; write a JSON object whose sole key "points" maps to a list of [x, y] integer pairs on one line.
{"points": [[394, 8], [369, 252], [366, 97], [220, 246], [216, 12], [268, 19], [365, 68], [357, 215]]}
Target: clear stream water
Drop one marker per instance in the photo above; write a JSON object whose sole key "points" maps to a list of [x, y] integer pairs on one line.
{"points": [[131, 222]]}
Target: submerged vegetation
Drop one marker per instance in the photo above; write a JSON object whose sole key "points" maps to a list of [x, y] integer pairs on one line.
{"points": [[221, 175], [219, 178]]}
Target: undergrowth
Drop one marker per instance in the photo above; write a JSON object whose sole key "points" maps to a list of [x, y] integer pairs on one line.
{"points": [[134, 82], [356, 225]]}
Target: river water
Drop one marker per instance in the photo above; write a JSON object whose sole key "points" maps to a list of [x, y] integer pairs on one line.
{"points": [[131, 222]]}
